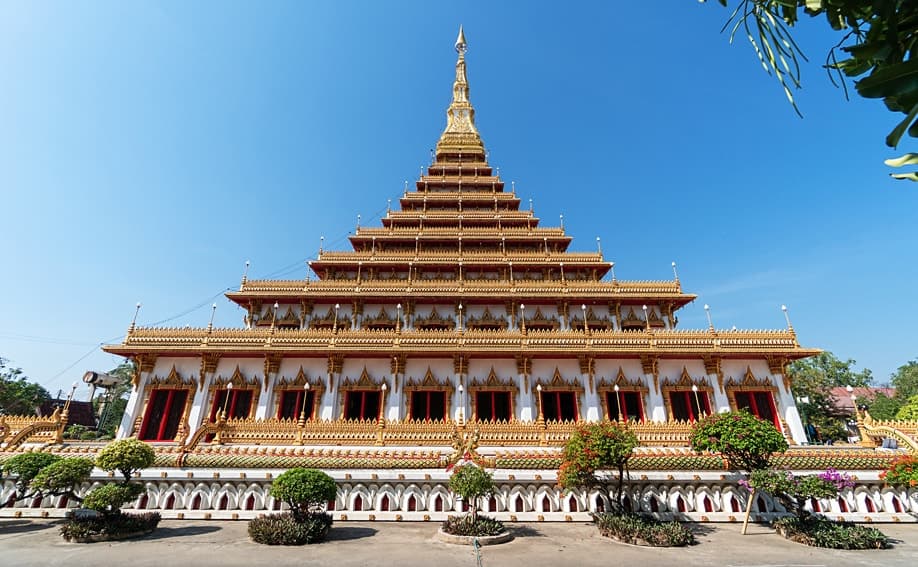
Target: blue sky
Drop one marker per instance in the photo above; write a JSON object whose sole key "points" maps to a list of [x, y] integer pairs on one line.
{"points": [[147, 150]]}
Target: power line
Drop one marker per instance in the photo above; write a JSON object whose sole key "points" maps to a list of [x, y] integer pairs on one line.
{"points": [[289, 268]]}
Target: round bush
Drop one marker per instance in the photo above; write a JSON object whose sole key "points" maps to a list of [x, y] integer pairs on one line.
{"points": [[125, 456], [110, 497], [306, 491], [284, 529]]}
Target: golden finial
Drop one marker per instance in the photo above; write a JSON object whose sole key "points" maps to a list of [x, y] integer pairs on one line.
{"points": [[460, 136], [461, 45]]}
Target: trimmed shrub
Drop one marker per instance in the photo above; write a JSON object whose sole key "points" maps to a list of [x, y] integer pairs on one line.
{"points": [[305, 490], [125, 456], [26, 466], [109, 526], [465, 525], [817, 531], [639, 529], [109, 498], [63, 476], [88, 436], [284, 529]]}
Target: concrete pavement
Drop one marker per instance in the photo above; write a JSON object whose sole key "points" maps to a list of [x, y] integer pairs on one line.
{"points": [[201, 543]]}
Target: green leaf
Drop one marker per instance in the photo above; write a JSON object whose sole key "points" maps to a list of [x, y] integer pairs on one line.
{"points": [[893, 80], [912, 176], [892, 140], [907, 159]]}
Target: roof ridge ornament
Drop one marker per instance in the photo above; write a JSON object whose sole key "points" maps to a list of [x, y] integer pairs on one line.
{"points": [[460, 136]]}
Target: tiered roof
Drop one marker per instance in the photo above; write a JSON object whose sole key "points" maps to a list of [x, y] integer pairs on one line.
{"points": [[459, 237]]}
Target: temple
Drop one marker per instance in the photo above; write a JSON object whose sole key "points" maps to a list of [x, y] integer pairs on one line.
{"points": [[461, 307], [461, 328]]}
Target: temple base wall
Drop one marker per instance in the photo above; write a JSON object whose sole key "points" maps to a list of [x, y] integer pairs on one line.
{"points": [[524, 496]]}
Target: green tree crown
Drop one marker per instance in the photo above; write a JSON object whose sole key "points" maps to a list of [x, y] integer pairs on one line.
{"points": [[306, 491], [125, 456], [471, 482], [26, 466], [746, 441], [63, 476]]}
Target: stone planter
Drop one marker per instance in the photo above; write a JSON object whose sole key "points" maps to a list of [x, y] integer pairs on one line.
{"points": [[469, 540]]}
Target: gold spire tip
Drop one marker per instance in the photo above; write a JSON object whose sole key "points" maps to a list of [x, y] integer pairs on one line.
{"points": [[461, 45]]}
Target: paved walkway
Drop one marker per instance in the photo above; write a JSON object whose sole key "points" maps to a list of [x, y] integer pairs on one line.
{"points": [[198, 544]]}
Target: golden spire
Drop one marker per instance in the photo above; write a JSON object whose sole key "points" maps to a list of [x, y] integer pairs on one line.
{"points": [[460, 135]]}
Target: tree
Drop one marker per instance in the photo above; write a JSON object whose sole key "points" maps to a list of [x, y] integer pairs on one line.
{"points": [[306, 491], [746, 441], [812, 380], [884, 407], [472, 483], [910, 410], [24, 467], [19, 396], [795, 491], [876, 42], [126, 456], [905, 380], [593, 448], [62, 477], [115, 399]]}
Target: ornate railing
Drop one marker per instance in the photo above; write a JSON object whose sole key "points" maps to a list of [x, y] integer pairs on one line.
{"points": [[421, 433], [18, 429], [874, 431]]}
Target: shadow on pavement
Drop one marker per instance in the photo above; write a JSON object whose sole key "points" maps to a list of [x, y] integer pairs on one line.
{"points": [[521, 530], [166, 532], [23, 526], [701, 529], [346, 533]]}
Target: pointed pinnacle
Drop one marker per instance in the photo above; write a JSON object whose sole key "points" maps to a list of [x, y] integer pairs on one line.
{"points": [[461, 45]]}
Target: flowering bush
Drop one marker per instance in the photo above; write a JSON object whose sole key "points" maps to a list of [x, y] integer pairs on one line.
{"points": [[595, 447], [903, 471]]}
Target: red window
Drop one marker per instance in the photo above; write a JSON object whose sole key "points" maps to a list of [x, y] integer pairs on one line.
{"points": [[361, 404], [759, 404], [559, 406], [628, 405], [493, 406], [428, 404], [164, 412], [292, 404], [237, 407], [685, 405]]}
